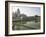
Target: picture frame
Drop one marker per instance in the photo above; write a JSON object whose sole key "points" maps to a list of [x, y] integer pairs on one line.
{"points": [[31, 10]]}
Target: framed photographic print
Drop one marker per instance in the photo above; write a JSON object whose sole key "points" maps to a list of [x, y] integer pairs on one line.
{"points": [[24, 18]]}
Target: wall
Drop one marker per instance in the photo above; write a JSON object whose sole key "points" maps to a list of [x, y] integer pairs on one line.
{"points": [[2, 19]]}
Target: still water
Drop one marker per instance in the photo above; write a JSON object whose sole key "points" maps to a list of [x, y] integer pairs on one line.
{"points": [[26, 25]]}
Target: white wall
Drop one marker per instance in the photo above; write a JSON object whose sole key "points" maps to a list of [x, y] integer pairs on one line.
{"points": [[2, 19]]}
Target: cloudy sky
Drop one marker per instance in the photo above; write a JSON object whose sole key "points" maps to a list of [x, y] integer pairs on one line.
{"points": [[29, 11]]}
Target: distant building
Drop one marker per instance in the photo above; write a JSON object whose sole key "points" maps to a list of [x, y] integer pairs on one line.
{"points": [[18, 16]]}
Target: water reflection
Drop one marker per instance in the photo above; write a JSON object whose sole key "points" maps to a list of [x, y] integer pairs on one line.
{"points": [[25, 25]]}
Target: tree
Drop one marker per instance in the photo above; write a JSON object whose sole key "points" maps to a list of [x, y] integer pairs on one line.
{"points": [[36, 18]]}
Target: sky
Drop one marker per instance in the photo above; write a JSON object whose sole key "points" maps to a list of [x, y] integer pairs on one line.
{"points": [[29, 11]]}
